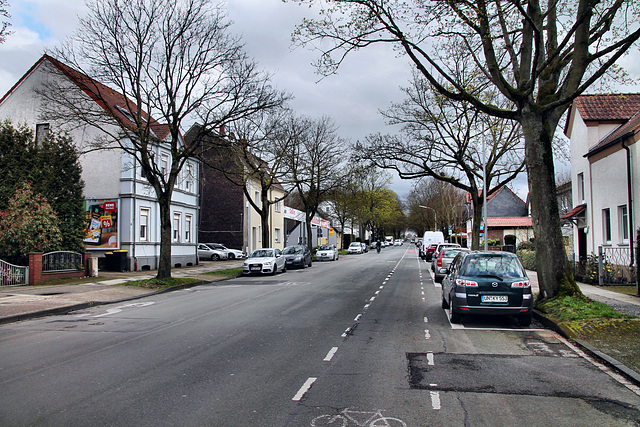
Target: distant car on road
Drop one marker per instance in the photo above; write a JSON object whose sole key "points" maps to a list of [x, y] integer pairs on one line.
{"points": [[355, 248], [487, 283], [327, 252], [398, 242], [297, 256], [265, 260], [205, 252]]}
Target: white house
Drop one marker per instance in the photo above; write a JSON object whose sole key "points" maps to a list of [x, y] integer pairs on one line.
{"points": [[121, 208], [603, 130]]}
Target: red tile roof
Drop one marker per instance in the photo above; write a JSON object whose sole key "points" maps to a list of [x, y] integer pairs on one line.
{"points": [[608, 107], [508, 222], [103, 95]]}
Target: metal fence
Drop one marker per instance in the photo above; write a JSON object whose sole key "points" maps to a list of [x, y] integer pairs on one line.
{"points": [[61, 261], [13, 274], [614, 266]]}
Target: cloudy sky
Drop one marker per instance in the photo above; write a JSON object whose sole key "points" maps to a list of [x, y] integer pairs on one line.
{"points": [[367, 82]]}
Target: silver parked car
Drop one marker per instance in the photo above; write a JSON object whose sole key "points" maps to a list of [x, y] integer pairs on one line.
{"points": [[230, 253], [265, 260], [327, 252], [437, 250], [444, 260], [206, 252]]}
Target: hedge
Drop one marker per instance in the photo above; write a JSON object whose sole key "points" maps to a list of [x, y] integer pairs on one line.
{"points": [[528, 259]]}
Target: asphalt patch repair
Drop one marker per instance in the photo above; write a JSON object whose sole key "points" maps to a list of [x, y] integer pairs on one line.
{"points": [[532, 375]]}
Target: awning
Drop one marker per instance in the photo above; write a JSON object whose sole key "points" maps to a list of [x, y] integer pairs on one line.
{"points": [[574, 213]]}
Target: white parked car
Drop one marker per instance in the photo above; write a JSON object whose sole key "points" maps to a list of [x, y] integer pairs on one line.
{"points": [[265, 260], [230, 253], [205, 252], [398, 242], [355, 248], [327, 252]]}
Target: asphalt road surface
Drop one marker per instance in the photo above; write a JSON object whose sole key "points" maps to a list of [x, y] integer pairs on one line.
{"points": [[361, 341]]}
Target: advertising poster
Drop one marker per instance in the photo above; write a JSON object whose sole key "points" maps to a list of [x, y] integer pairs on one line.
{"points": [[101, 224]]}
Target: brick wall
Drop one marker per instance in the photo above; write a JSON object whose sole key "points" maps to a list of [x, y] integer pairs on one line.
{"points": [[38, 277]]}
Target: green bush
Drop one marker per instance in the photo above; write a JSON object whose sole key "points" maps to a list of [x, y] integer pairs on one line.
{"points": [[528, 259], [526, 245]]}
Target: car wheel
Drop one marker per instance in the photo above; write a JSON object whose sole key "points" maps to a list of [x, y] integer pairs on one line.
{"points": [[275, 270], [284, 268], [524, 319], [231, 256], [303, 265], [453, 316], [215, 257]]}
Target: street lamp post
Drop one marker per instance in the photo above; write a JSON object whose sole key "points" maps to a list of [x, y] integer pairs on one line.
{"points": [[435, 217]]}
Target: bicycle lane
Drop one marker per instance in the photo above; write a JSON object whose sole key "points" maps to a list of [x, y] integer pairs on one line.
{"points": [[364, 377]]}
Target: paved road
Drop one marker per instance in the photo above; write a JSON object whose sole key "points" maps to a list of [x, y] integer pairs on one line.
{"points": [[360, 341]]}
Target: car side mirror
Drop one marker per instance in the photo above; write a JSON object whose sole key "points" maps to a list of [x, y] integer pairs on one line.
{"points": [[443, 271]]}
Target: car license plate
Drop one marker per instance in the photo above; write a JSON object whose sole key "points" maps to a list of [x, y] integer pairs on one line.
{"points": [[494, 298], [255, 267]]}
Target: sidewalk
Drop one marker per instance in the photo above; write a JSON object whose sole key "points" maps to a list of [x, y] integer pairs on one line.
{"points": [[607, 348], [27, 302]]}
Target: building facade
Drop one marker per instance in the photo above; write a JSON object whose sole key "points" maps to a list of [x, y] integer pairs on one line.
{"points": [[122, 212]]}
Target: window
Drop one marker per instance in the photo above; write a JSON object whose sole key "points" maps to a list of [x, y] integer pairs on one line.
{"points": [[188, 177], [176, 227], [581, 187], [278, 206], [42, 130], [606, 225], [164, 164], [256, 196], [623, 224], [276, 235], [144, 225], [187, 228]]}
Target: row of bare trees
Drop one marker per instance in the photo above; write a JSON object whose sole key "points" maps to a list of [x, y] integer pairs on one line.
{"points": [[511, 60]]}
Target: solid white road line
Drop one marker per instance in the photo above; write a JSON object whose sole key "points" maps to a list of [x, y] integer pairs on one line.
{"points": [[305, 388]]}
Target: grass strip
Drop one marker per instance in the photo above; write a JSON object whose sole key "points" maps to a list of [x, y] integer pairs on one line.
{"points": [[227, 272], [156, 283]]}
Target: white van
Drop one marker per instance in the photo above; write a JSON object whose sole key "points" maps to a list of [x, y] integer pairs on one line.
{"points": [[430, 238]]}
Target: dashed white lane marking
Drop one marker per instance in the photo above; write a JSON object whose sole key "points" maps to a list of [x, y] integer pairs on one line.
{"points": [[381, 287], [435, 400], [367, 305], [430, 361], [330, 355], [427, 335], [377, 292], [346, 332], [426, 320], [372, 299], [357, 318], [305, 388]]}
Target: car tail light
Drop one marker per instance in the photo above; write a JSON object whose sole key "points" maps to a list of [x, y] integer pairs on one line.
{"points": [[440, 259], [467, 283], [523, 284]]}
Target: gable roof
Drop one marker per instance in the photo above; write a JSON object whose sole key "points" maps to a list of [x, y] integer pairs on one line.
{"points": [[114, 103], [611, 108], [510, 222]]}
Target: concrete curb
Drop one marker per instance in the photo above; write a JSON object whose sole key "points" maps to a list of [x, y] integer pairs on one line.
{"points": [[616, 365]]}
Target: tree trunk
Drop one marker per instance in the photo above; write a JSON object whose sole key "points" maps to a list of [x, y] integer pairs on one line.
{"points": [[266, 229], [554, 276], [477, 220], [164, 263], [309, 233]]}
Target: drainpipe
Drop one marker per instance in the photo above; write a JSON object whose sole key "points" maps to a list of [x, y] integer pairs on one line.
{"points": [[630, 210]]}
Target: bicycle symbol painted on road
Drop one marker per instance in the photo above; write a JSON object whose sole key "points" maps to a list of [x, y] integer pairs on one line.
{"points": [[348, 417]]}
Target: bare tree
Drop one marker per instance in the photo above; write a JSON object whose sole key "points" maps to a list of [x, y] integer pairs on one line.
{"points": [[538, 55], [315, 162], [4, 25], [449, 141], [172, 60]]}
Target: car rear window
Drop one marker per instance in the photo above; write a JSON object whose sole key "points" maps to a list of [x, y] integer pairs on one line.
{"points": [[450, 253], [492, 265]]}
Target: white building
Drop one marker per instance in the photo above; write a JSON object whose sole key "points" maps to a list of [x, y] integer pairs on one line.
{"points": [[122, 210], [603, 130]]}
